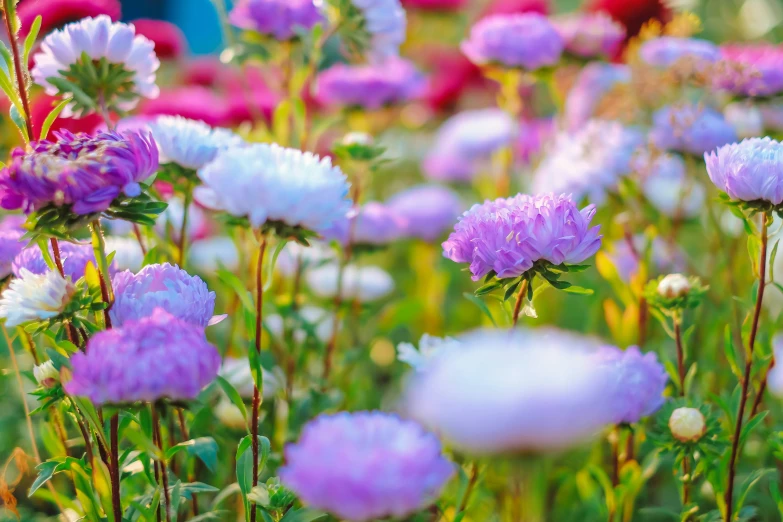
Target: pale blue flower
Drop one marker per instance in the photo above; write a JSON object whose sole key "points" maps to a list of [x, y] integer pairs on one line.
{"points": [[751, 170], [190, 143]]}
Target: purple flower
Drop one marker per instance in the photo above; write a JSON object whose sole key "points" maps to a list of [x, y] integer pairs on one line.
{"points": [[74, 257], [508, 235], [374, 224], [11, 244], [428, 210], [162, 286], [370, 86], [525, 40], [752, 69], [594, 82], [638, 382], [590, 35], [156, 357], [365, 466], [279, 18], [748, 171], [690, 128], [665, 51], [85, 171]]}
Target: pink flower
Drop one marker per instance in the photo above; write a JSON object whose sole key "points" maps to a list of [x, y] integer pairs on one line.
{"points": [[169, 39], [192, 102], [56, 13]]}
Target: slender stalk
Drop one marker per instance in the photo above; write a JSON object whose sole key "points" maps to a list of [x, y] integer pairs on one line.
{"points": [[137, 233], [183, 428], [473, 476], [680, 355], [520, 299], [760, 395], [686, 483], [614, 442], [256, 391], [729, 499], [103, 110], [156, 466], [163, 473], [56, 254], [183, 231], [114, 472], [99, 247], [19, 69]]}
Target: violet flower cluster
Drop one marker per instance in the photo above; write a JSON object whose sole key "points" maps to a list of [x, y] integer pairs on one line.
{"points": [[281, 19], [691, 129], [74, 257]]}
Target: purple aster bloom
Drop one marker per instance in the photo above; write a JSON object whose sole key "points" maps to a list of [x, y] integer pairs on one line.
{"points": [[13, 222], [85, 171], [638, 382], [508, 235], [665, 257], [279, 18], [690, 128], [11, 244], [748, 171], [365, 466], [74, 257], [156, 357], [370, 86], [589, 162], [665, 51], [527, 40], [162, 286], [385, 22], [752, 69], [373, 224], [590, 35], [428, 210], [593, 83], [533, 136]]}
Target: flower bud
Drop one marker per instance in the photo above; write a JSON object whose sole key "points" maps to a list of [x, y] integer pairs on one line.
{"points": [[230, 415], [674, 285], [687, 424], [357, 138], [46, 374]]}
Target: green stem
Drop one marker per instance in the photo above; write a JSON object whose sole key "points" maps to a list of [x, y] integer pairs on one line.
{"points": [[99, 248], [19, 72], [183, 231]]}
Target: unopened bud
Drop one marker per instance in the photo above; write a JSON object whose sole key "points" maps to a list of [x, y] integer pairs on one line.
{"points": [[46, 374], [687, 424], [674, 285], [357, 138]]}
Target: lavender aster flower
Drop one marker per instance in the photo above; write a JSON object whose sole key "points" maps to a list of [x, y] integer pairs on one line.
{"points": [[189, 143], [156, 357], [508, 236], [164, 286], [271, 183], [665, 51], [594, 82], [428, 210], [751, 170], [525, 40], [386, 23], [752, 69], [366, 466], [11, 244], [370, 86], [590, 35], [638, 382], [373, 224], [588, 163], [74, 257], [278, 18], [87, 172], [100, 38], [690, 128], [503, 393]]}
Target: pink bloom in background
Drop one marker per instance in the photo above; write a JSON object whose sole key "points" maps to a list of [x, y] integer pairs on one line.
{"points": [[752, 69], [193, 102], [435, 5], [518, 6], [533, 135], [169, 39], [206, 71], [56, 13], [590, 35], [450, 74]]}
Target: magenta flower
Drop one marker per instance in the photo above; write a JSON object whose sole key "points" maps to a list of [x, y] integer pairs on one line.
{"points": [[638, 382], [74, 257], [278, 18], [690, 128], [87, 172], [156, 357], [508, 236], [168, 39], [192, 101], [370, 86], [365, 466], [162, 286], [751, 170], [533, 135], [752, 69], [56, 13], [527, 40], [428, 210], [590, 35]]}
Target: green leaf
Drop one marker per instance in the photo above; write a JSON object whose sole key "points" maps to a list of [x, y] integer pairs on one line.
{"points": [[488, 287], [205, 448], [68, 87], [29, 41], [579, 290], [772, 257], [511, 290], [481, 305], [731, 352], [7, 59], [256, 369], [234, 283], [233, 395], [19, 121], [749, 483], [47, 124], [271, 264], [259, 496], [302, 515], [751, 425], [46, 471]]}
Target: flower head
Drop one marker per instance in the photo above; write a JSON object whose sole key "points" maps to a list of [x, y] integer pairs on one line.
{"points": [[365, 466], [370, 86], [665, 51], [168, 39], [687, 424], [385, 23], [690, 128], [594, 82], [509, 235], [156, 357], [165, 286], [87, 172], [278, 18], [673, 286], [748, 171], [56, 13], [46, 374], [513, 393], [271, 183], [188, 143], [533, 135], [11, 244], [35, 297], [74, 257], [428, 210], [373, 223], [429, 348], [638, 382], [99, 38], [590, 35], [527, 40], [752, 69], [363, 283], [588, 163]]}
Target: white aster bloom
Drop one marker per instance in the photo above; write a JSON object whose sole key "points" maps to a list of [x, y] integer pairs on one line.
{"points": [[237, 372], [386, 22], [99, 37], [46, 374], [271, 183], [34, 297], [363, 283], [294, 254], [429, 348], [127, 252], [315, 318], [207, 255], [190, 143]]}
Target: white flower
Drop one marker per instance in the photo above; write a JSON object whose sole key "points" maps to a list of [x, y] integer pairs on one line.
{"points": [[190, 143], [99, 37], [429, 348], [357, 138], [386, 22], [33, 297], [316, 318], [674, 285], [687, 424], [271, 183], [46, 374], [317, 254], [237, 372], [127, 252], [229, 415], [207, 255], [746, 118], [363, 283]]}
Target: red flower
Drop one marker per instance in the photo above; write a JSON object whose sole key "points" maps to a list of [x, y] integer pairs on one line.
{"points": [[194, 102], [206, 71], [56, 13], [169, 40], [632, 13]]}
